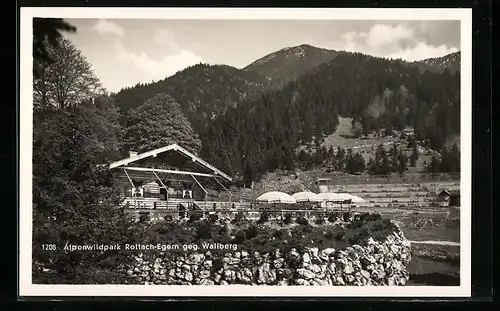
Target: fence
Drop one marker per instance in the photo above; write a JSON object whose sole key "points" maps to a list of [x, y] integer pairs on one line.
{"points": [[389, 179]]}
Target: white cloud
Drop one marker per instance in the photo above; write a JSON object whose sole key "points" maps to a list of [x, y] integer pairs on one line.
{"points": [[166, 38], [151, 69], [392, 42], [105, 27], [423, 51]]}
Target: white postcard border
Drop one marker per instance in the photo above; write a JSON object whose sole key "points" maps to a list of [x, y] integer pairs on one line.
{"points": [[26, 288]]}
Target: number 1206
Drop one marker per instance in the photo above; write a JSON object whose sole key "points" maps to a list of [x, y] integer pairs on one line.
{"points": [[49, 247]]}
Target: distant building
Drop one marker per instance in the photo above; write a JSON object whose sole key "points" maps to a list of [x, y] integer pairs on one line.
{"points": [[450, 197], [323, 184]]}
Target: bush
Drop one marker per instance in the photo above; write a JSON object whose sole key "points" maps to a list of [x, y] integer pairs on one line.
{"points": [[144, 218], [302, 220], [252, 232], [346, 216], [364, 233], [340, 236], [195, 216], [388, 224], [213, 218], [264, 217], [204, 231], [332, 218], [240, 237], [374, 217], [330, 234], [305, 229], [288, 219], [319, 220], [357, 223], [239, 217]]}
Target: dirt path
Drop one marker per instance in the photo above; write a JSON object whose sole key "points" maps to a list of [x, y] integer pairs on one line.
{"points": [[449, 243]]}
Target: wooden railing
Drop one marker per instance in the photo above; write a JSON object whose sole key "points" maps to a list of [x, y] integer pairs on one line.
{"points": [[174, 204]]}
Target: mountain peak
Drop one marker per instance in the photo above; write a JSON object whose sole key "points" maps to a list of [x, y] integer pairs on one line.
{"points": [[439, 64], [289, 63]]}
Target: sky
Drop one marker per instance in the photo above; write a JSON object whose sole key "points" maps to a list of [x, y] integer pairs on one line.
{"points": [[124, 52]]}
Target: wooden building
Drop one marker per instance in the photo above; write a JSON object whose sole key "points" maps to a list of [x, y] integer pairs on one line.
{"points": [[167, 178], [450, 197]]}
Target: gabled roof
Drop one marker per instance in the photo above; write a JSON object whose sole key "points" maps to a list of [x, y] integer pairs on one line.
{"points": [[450, 192], [173, 147]]}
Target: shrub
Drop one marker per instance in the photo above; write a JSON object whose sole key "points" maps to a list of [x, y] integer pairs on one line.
{"points": [[195, 216], [239, 217], [346, 216], [356, 223], [144, 218], [169, 218], [330, 234], [305, 229], [240, 237], [388, 224], [319, 220], [340, 236], [332, 218], [364, 233], [288, 219], [213, 218], [374, 217], [302, 220], [252, 232], [264, 217], [279, 234], [204, 230]]}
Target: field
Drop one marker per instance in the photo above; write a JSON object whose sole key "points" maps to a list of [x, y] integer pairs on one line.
{"points": [[432, 263], [366, 145]]}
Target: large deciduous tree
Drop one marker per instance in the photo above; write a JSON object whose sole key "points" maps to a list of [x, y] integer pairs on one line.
{"points": [[74, 202], [157, 123], [66, 81]]}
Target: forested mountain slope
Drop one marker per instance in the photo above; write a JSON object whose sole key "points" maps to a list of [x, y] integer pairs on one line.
{"points": [[377, 93], [439, 64], [203, 91]]}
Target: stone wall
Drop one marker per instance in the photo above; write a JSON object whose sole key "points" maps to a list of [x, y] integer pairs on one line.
{"points": [[377, 263]]}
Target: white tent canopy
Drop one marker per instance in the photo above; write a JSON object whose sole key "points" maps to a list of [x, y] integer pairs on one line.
{"points": [[306, 196], [356, 199], [332, 197], [276, 197], [345, 196]]}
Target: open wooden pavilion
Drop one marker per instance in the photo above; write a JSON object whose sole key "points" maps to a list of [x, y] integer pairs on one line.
{"points": [[170, 177]]}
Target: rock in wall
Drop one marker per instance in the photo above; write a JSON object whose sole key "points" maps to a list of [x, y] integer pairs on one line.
{"points": [[377, 263]]}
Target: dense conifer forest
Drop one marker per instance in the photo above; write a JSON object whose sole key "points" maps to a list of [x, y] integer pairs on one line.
{"points": [[248, 127]]}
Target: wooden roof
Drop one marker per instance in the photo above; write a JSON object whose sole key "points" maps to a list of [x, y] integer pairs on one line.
{"points": [[172, 148], [451, 193]]}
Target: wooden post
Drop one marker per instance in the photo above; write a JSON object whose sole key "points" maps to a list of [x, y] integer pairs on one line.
{"points": [[163, 185], [229, 192]]}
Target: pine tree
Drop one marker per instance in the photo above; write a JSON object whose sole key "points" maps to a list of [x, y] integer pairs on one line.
{"points": [[454, 159], [433, 166], [372, 167], [414, 155], [402, 159], [302, 157], [350, 166], [360, 162], [393, 154]]}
